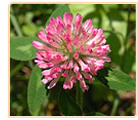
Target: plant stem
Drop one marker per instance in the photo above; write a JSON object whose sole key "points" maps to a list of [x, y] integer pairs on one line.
{"points": [[115, 105], [79, 95]]}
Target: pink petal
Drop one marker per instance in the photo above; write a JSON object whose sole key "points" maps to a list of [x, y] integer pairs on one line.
{"points": [[87, 75], [65, 74], [67, 18], [76, 55], [83, 85], [42, 36], [76, 68], [43, 64], [84, 67], [40, 46], [78, 76], [68, 84], [53, 83], [45, 81], [70, 65], [77, 24], [88, 24]]}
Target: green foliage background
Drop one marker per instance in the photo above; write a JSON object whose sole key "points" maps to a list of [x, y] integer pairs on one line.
{"points": [[29, 19]]}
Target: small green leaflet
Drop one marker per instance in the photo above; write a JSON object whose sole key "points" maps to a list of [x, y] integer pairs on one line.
{"points": [[120, 81], [36, 91], [21, 48]]}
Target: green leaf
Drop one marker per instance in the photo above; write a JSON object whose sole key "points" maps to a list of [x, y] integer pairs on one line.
{"points": [[67, 105], [95, 114], [59, 12], [120, 81], [36, 91], [22, 49]]}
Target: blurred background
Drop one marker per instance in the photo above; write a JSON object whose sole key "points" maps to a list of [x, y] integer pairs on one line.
{"points": [[118, 22]]}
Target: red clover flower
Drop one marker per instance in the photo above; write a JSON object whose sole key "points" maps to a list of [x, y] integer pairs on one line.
{"points": [[74, 51]]}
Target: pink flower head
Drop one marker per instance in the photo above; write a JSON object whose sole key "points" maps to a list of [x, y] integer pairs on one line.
{"points": [[74, 51]]}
